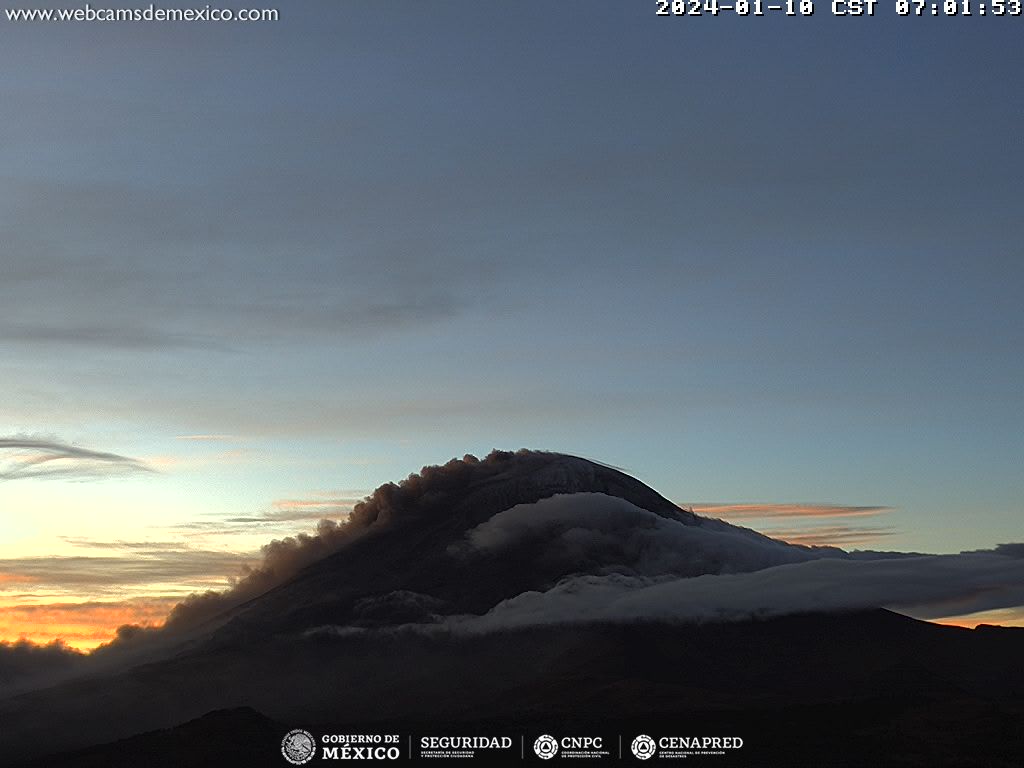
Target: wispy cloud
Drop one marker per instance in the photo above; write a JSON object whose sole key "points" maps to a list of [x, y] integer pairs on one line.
{"points": [[186, 462], [315, 508], [744, 511], [26, 457], [129, 337], [137, 547], [833, 535], [326, 504], [124, 566], [14, 578], [804, 523]]}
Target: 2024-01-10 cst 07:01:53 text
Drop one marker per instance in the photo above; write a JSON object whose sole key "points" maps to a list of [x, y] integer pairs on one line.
{"points": [[681, 8]]}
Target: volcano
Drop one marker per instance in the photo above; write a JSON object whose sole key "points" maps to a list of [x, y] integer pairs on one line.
{"points": [[535, 592]]}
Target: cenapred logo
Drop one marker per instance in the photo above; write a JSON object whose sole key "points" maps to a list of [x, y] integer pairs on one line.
{"points": [[643, 747], [546, 747], [298, 746]]}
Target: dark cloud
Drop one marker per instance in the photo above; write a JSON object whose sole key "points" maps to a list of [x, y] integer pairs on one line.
{"points": [[24, 663], [281, 559], [130, 337], [24, 457], [275, 323], [402, 605], [125, 280], [1015, 549], [390, 507]]}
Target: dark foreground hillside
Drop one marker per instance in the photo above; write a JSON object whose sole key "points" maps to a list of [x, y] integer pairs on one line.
{"points": [[862, 689]]}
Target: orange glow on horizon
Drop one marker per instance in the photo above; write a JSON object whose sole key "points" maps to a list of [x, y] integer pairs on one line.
{"points": [[1003, 617], [84, 626], [80, 625]]}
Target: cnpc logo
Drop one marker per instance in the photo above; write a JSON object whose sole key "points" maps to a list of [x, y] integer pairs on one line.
{"points": [[643, 747], [548, 746]]}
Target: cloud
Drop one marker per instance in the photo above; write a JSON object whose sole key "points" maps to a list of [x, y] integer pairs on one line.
{"points": [[28, 457], [827, 584], [191, 462], [276, 323], [986, 600], [281, 559], [129, 337], [390, 507], [110, 268], [131, 565], [23, 663], [1007, 550], [655, 568], [133, 546], [768, 510], [599, 533], [316, 508], [832, 535], [805, 521]]}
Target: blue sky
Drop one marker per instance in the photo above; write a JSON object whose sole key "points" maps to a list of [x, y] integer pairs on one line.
{"points": [[765, 259]]}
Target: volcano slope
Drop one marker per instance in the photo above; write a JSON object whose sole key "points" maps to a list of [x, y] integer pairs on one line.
{"points": [[533, 591]]}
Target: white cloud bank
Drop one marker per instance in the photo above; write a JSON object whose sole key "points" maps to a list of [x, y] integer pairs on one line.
{"points": [[663, 570]]}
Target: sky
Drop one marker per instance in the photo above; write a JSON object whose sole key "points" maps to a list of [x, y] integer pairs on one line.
{"points": [[248, 272]]}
